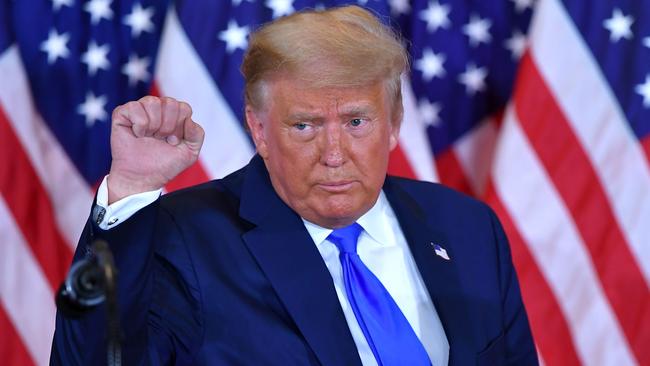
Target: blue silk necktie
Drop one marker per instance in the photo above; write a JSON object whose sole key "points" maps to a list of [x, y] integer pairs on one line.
{"points": [[388, 332]]}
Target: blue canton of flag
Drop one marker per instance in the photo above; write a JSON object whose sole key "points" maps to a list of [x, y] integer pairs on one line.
{"points": [[83, 58]]}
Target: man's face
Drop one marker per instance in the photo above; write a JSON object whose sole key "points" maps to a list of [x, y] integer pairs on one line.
{"points": [[326, 149]]}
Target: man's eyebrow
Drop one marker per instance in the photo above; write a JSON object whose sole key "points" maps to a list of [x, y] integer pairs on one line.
{"points": [[350, 110], [305, 116], [357, 109]]}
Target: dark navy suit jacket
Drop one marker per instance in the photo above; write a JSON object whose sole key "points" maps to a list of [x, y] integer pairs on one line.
{"points": [[225, 273]]}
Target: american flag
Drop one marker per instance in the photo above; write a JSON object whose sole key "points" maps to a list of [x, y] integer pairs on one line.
{"points": [[541, 108]]}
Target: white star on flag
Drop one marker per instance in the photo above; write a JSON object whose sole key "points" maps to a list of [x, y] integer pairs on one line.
{"points": [[93, 109], [619, 26], [436, 16], [140, 20], [57, 4], [136, 69], [646, 42], [280, 7], [478, 30], [234, 36], [522, 5], [99, 9], [644, 91], [56, 46], [398, 7], [96, 57], [473, 78], [431, 64], [516, 45], [429, 112]]}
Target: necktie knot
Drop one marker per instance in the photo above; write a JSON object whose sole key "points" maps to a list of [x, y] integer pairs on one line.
{"points": [[345, 238]]}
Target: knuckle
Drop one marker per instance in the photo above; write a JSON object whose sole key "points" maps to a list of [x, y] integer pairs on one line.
{"points": [[131, 105], [168, 100], [171, 108], [185, 109], [150, 101], [133, 108]]}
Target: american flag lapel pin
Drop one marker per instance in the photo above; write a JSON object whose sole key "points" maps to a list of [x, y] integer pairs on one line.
{"points": [[440, 251]]}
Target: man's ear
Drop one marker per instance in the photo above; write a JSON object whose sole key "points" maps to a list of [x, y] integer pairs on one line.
{"points": [[395, 125], [256, 127]]}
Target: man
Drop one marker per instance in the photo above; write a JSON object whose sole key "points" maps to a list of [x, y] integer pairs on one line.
{"points": [[308, 255]]}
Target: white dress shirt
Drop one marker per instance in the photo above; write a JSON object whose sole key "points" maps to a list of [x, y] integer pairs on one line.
{"points": [[119, 211], [381, 246], [384, 250]]}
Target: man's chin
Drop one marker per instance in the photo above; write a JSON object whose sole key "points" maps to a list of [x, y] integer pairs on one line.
{"points": [[340, 213]]}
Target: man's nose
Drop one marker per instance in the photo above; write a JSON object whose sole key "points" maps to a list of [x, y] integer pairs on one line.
{"points": [[333, 153]]}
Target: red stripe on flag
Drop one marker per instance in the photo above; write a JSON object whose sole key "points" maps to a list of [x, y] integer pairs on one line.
{"points": [[568, 166], [193, 175], [645, 143], [451, 173], [31, 207], [550, 329], [497, 117], [398, 165], [12, 348], [154, 89]]}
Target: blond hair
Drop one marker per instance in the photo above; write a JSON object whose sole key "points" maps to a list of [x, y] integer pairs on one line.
{"points": [[340, 47]]}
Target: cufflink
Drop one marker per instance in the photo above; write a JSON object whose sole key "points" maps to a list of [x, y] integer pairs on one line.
{"points": [[98, 213]]}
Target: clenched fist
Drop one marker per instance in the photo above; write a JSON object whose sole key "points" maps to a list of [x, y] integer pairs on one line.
{"points": [[152, 141]]}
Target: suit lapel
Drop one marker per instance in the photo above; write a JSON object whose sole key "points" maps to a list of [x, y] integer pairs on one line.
{"points": [[288, 257], [439, 275]]}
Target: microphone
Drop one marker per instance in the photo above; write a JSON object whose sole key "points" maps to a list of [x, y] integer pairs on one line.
{"points": [[84, 287], [90, 282], [87, 282]]}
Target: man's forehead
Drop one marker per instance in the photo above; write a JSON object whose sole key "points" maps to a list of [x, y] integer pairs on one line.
{"points": [[305, 93], [342, 103]]}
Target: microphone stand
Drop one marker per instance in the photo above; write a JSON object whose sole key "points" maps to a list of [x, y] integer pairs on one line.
{"points": [[106, 263], [90, 282]]}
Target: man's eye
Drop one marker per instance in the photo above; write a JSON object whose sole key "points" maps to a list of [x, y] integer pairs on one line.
{"points": [[301, 126], [355, 122]]}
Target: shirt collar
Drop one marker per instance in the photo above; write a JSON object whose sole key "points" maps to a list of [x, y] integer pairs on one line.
{"points": [[374, 222]]}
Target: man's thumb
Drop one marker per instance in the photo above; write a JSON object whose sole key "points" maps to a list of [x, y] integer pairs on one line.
{"points": [[193, 134]]}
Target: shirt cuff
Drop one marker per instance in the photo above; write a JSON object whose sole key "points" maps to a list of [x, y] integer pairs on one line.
{"points": [[109, 216]]}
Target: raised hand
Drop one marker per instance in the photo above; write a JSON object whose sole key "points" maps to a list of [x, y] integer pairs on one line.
{"points": [[152, 141]]}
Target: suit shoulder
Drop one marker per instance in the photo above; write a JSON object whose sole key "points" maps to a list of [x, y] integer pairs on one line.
{"points": [[217, 193]]}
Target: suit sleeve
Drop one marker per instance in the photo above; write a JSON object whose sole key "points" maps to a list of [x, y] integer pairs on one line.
{"points": [[518, 340], [139, 246]]}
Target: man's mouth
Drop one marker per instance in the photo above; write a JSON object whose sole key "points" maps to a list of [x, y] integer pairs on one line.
{"points": [[336, 186]]}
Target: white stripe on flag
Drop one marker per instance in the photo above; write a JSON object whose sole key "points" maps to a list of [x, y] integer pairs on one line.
{"points": [[180, 74], [475, 151], [413, 137], [597, 121], [24, 291], [70, 195], [547, 227]]}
